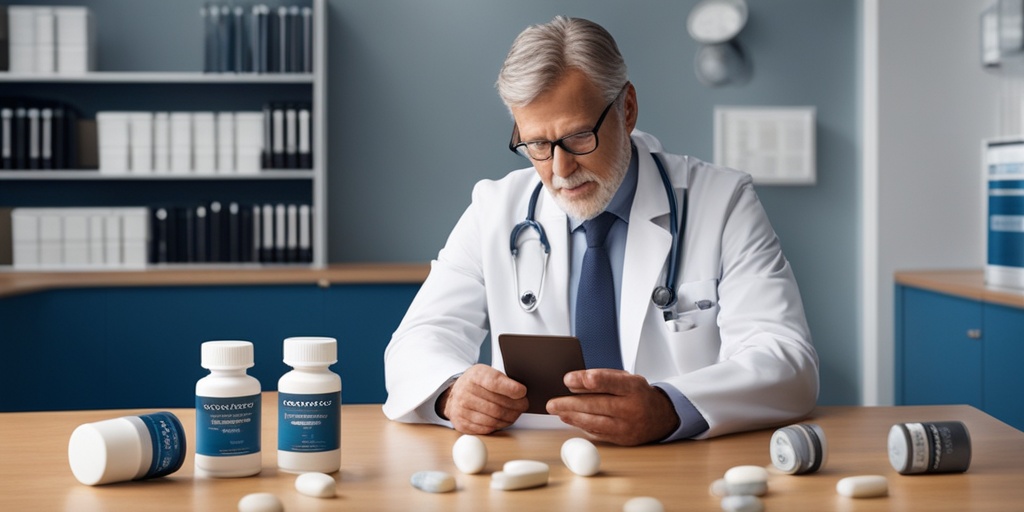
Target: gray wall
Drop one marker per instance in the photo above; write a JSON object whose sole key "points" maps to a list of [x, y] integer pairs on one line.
{"points": [[935, 105], [415, 122]]}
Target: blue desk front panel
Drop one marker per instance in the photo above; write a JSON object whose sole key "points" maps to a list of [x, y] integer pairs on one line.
{"points": [[139, 347]]}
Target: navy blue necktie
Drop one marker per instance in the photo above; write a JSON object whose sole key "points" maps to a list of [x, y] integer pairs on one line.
{"points": [[597, 324]]}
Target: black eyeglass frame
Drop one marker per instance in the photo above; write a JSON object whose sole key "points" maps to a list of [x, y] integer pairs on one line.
{"points": [[561, 141]]}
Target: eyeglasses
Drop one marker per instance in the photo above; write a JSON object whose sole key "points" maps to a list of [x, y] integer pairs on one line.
{"points": [[580, 143]]}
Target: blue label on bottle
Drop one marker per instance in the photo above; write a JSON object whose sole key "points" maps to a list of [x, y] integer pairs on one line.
{"points": [[227, 426], [309, 423], [168, 440], [1006, 223]]}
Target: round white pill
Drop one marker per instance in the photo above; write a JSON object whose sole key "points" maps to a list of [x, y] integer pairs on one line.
{"points": [[469, 454], [643, 504], [260, 502], [581, 456], [317, 485], [742, 504], [741, 474], [433, 481], [863, 486], [750, 480]]}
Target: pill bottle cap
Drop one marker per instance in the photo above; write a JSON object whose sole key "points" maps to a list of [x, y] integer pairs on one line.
{"points": [[127, 448], [227, 355], [300, 350], [105, 452]]}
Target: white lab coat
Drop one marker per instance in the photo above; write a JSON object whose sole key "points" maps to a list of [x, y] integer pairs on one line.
{"points": [[746, 362]]}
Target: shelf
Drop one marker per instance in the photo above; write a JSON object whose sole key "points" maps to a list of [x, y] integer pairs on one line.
{"points": [[19, 282], [135, 88], [138, 77], [90, 174]]}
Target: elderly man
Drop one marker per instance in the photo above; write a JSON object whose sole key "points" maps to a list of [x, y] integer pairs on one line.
{"points": [[723, 344]]}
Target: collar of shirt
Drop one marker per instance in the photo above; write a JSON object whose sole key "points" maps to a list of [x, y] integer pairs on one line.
{"points": [[622, 201]]}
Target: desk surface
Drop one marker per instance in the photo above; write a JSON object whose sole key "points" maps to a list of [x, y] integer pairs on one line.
{"points": [[379, 456]]}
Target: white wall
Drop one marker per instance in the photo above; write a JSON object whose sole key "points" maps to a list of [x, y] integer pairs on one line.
{"points": [[932, 104]]}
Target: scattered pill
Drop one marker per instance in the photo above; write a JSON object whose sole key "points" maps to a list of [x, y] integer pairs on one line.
{"points": [[863, 486], [260, 502], [469, 454], [317, 485], [743, 503], [746, 480], [643, 504], [581, 456], [520, 474], [720, 488], [433, 481]]}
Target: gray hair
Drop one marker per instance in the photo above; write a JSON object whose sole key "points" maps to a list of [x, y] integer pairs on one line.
{"points": [[542, 54]]}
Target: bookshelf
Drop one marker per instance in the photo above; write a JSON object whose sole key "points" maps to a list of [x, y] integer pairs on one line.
{"points": [[124, 84]]}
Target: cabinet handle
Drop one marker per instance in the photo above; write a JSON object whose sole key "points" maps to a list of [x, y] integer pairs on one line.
{"points": [[974, 334]]}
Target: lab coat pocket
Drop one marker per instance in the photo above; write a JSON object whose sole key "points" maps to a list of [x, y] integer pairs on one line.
{"points": [[693, 338]]}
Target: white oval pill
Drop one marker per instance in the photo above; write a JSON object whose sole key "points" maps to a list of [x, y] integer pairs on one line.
{"points": [[522, 466], [469, 454], [746, 480], [317, 485], [433, 481], [260, 502], [581, 456], [643, 504], [863, 486], [744, 503], [520, 474], [741, 474], [720, 488]]}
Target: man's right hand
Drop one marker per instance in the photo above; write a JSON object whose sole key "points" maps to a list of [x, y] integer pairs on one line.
{"points": [[483, 400]]}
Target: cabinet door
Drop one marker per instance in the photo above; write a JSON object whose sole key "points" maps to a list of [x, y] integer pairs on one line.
{"points": [[364, 316], [940, 362], [1004, 364]]}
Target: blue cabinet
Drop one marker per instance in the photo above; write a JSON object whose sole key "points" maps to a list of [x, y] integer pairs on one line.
{"points": [[1004, 364], [138, 347], [956, 350]]}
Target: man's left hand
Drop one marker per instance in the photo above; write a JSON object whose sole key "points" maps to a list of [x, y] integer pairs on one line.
{"points": [[615, 406]]}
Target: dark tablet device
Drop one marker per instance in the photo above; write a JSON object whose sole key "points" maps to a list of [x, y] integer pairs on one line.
{"points": [[540, 363]]}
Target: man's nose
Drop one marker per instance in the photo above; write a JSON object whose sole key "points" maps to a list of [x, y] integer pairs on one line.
{"points": [[563, 163]]}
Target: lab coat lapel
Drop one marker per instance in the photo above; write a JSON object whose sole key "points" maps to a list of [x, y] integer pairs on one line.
{"points": [[647, 243], [555, 305]]}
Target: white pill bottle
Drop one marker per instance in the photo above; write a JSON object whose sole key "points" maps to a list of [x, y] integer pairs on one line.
{"points": [[228, 412], [309, 407]]}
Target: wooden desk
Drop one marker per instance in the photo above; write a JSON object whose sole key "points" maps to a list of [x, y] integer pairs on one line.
{"points": [[379, 456]]}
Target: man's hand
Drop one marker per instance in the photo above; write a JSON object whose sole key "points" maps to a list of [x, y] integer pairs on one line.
{"points": [[615, 406], [483, 400]]}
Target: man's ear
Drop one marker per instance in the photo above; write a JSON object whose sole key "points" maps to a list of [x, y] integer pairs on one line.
{"points": [[629, 110]]}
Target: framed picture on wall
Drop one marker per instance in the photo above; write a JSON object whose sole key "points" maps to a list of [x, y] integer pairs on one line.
{"points": [[776, 145]]}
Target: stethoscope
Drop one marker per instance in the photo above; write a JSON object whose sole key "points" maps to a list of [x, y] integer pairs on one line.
{"points": [[664, 296]]}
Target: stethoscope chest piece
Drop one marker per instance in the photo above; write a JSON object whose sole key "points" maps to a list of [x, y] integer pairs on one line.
{"points": [[663, 297]]}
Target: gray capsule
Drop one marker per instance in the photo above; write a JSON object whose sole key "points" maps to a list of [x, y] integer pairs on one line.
{"points": [[433, 481]]}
